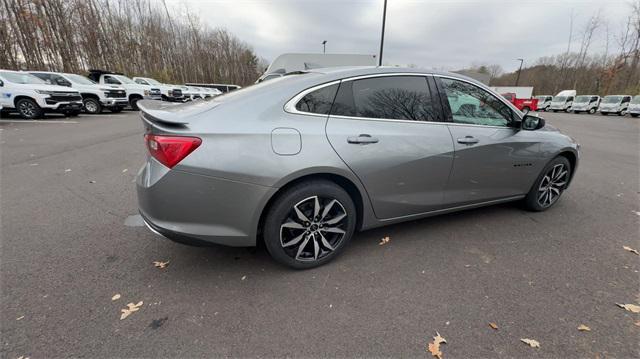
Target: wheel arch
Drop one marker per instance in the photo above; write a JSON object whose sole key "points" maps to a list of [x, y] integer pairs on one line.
{"points": [[572, 157], [90, 95], [134, 95], [21, 97], [354, 191]]}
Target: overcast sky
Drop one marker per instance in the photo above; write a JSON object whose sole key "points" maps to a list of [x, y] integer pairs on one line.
{"points": [[431, 34]]}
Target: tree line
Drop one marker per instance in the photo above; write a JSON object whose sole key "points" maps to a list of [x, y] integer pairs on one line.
{"points": [[135, 37], [614, 71]]}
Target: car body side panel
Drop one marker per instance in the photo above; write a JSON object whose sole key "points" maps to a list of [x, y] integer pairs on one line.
{"points": [[503, 163], [406, 171]]}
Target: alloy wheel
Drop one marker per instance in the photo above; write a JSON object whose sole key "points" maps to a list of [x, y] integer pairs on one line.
{"points": [[552, 185], [91, 107], [313, 228], [27, 109]]}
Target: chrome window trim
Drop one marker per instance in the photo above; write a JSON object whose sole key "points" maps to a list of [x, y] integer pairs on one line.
{"points": [[290, 106]]}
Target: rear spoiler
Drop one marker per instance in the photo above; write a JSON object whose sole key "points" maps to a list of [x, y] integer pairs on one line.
{"points": [[174, 114]]}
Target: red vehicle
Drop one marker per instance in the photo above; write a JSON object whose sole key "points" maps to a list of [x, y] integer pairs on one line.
{"points": [[523, 104]]}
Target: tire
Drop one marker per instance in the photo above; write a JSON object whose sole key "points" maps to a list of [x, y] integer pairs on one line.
{"points": [[115, 109], [29, 109], [72, 113], [592, 111], [549, 186], [567, 110], [287, 232], [92, 106], [603, 113], [133, 102], [634, 115], [622, 113], [576, 112]]}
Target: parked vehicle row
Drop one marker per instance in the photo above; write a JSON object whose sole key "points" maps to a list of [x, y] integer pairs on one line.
{"points": [[31, 94], [567, 101]]}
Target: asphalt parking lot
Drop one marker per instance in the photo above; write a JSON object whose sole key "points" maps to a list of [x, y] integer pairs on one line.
{"points": [[69, 244]]}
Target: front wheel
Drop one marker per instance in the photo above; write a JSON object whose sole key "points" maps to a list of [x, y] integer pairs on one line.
{"points": [[622, 113], [133, 102], [29, 109], [92, 106], [549, 186], [309, 224], [592, 111]]}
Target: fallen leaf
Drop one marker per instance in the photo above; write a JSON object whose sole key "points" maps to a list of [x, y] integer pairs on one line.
{"points": [[532, 343], [125, 170], [493, 326], [92, 181], [19, 318], [636, 212], [160, 264], [115, 297], [434, 348], [67, 170], [33, 164], [630, 307], [130, 309], [629, 249], [384, 241], [584, 328], [243, 277]]}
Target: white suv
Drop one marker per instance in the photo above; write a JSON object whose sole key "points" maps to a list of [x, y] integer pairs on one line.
{"points": [[169, 92], [31, 97], [94, 97], [135, 91]]}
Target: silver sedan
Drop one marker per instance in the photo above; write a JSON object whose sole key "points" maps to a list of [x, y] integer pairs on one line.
{"points": [[303, 161]]}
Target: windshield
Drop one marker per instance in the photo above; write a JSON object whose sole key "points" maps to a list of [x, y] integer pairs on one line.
{"points": [[125, 79], [21, 78], [612, 99], [79, 79], [581, 99], [636, 100], [152, 81], [559, 98]]}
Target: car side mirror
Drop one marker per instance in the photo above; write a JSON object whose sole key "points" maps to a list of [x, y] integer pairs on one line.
{"points": [[532, 123]]}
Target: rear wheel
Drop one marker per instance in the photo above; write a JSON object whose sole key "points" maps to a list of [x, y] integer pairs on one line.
{"points": [[92, 105], [634, 115], [309, 224], [29, 109], [603, 113], [549, 186]]}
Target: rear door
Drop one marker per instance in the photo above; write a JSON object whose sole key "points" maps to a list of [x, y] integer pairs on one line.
{"points": [[388, 130], [493, 158]]}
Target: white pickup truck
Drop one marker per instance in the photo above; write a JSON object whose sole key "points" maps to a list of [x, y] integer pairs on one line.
{"points": [[94, 97], [135, 91], [31, 97], [169, 92]]}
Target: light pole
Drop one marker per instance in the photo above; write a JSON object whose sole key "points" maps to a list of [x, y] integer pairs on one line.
{"points": [[384, 18], [519, 70], [324, 46]]}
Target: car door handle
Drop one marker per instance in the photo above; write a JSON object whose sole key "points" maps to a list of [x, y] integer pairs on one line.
{"points": [[468, 140], [362, 139]]}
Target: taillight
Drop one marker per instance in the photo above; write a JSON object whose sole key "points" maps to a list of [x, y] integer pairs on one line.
{"points": [[170, 150]]}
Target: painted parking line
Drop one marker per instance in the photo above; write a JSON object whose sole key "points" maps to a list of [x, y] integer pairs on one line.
{"points": [[36, 121]]}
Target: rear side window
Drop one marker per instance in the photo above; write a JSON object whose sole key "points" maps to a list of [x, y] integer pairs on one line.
{"points": [[393, 97], [318, 101]]}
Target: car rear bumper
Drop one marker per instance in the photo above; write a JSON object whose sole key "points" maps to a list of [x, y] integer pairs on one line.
{"points": [[193, 208]]}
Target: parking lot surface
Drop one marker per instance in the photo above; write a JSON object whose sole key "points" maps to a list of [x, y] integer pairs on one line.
{"points": [[69, 244]]}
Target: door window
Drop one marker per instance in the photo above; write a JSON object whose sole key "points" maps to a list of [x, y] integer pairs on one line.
{"points": [[111, 80], [318, 101], [390, 97], [472, 105]]}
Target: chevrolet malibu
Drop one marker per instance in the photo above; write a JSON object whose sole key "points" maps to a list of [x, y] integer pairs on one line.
{"points": [[304, 161]]}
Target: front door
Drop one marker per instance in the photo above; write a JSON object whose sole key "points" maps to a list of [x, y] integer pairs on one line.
{"points": [[493, 159], [384, 129]]}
